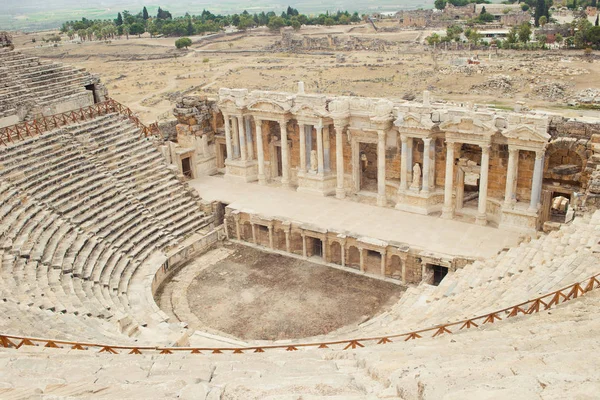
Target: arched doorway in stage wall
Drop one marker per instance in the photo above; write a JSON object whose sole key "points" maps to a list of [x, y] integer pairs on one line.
{"points": [[279, 240], [565, 175], [353, 260], [262, 235], [335, 253], [394, 267], [247, 232]]}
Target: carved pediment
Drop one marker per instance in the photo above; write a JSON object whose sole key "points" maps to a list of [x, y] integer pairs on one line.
{"points": [[267, 106], [414, 122], [468, 126], [304, 110], [527, 133]]}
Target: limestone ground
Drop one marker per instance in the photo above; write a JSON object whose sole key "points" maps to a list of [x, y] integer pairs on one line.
{"points": [[251, 294]]}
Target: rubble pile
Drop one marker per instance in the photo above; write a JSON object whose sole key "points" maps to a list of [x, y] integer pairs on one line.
{"points": [[495, 84], [589, 96], [551, 91]]}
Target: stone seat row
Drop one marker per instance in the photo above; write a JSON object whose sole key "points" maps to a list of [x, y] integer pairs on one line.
{"points": [[74, 237], [529, 270]]}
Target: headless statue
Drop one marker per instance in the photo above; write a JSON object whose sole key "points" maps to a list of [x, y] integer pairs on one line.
{"points": [[416, 178], [314, 164]]}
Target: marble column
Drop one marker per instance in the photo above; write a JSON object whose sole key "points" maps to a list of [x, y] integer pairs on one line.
{"points": [[536, 184], [262, 180], [447, 210], [343, 253], [235, 138], [242, 137], [285, 157], [302, 148], [511, 175], [228, 141], [426, 164], [340, 192], [481, 218], [404, 163], [319, 129], [249, 141], [254, 233], [361, 252], [304, 253], [288, 247], [409, 160], [270, 227], [381, 198], [382, 271], [326, 150], [308, 145]]}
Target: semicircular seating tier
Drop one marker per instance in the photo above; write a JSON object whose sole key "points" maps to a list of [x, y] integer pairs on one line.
{"points": [[30, 86], [87, 212]]}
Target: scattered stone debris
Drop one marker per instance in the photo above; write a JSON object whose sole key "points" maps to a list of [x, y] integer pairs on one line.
{"points": [[495, 84]]}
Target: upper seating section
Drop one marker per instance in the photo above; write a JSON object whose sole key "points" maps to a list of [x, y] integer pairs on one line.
{"points": [[32, 82], [83, 210]]}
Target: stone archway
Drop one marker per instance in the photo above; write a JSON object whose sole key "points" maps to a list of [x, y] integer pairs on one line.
{"points": [[394, 268], [247, 232], [353, 260], [335, 253], [566, 162]]}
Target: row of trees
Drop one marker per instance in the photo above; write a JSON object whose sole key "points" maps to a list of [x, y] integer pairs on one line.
{"points": [[580, 34], [163, 23]]}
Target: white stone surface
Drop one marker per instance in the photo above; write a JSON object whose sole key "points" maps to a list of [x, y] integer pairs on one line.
{"points": [[419, 231]]}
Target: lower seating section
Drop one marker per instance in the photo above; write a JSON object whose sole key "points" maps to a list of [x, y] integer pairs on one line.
{"points": [[80, 215], [551, 355], [534, 268]]}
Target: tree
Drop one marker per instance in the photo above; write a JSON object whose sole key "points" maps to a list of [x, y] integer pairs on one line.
{"points": [[329, 21], [163, 14], [145, 14], [483, 10], [276, 23], [190, 26], [525, 7], [126, 30], [524, 32], [137, 29], [183, 42], [540, 9], [596, 23], [246, 21], [543, 20], [434, 38], [119, 20], [440, 4], [558, 39], [473, 36]]}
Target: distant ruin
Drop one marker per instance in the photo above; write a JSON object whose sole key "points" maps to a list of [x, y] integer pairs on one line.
{"points": [[6, 40]]}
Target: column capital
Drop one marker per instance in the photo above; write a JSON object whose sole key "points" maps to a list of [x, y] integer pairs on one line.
{"points": [[403, 138], [539, 154], [485, 148], [381, 133], [513, 150], [427, 140], [257, 120]]}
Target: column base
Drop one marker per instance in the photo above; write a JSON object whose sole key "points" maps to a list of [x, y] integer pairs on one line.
{"points": [[481, 220], [447, 213], [381, 201], [262, 180], [340, 193]]}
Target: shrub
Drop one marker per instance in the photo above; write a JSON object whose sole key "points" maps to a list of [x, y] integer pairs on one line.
{"points": [[183, 42]]}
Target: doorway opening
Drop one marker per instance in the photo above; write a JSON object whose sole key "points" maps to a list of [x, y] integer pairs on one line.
{"points": [[92, 88], [439, 273], [186, 167], [368, 167]]}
